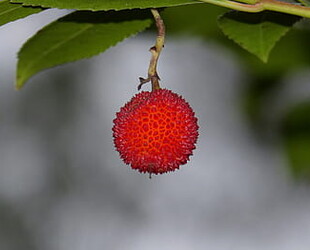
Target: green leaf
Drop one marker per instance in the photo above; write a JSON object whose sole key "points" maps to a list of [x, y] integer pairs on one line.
{"points": [[81, 34], [256, 32], [104, 4], [10, 12]]}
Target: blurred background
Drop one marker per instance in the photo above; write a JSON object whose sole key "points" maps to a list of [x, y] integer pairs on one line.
{"points": [[63, 186]]}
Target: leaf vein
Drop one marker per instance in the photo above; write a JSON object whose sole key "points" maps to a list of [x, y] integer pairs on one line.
{"points": [[10, 10]]}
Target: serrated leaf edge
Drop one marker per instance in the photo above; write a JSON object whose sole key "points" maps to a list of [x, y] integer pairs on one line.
{"points": [[264, 58], [20, 83], [105, 9]]}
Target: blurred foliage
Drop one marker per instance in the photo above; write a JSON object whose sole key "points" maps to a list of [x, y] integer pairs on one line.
{"points": [[256, 90], [262, 80], [14, 233], [295, 129]]}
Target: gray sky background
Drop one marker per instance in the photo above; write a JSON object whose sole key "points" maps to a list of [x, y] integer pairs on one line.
{"points": [[63, 182]]}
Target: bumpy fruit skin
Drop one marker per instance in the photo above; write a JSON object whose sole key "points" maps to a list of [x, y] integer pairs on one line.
{"points": [[155, 132]]}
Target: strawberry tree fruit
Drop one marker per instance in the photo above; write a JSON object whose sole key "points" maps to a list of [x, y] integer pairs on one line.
{"points": [[155, 132]]}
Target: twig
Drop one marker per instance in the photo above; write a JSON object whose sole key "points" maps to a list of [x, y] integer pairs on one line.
{"points": [[155, 50], [261, 5]]}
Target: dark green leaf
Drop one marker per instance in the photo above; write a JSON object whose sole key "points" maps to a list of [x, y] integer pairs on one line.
{"points": [[256, 32], [79, 35], [200, 20], [10, 12], [104, 4]]}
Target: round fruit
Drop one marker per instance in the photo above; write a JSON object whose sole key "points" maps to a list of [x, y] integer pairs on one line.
{"points": [[155, 132]]}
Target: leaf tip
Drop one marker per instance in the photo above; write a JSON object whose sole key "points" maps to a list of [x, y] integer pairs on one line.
{"points": [[264, 58], [17, 88], [19, 83]]}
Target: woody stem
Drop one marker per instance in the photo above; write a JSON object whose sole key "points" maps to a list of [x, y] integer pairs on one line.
{"points": [[155, 51], [261, 5]]}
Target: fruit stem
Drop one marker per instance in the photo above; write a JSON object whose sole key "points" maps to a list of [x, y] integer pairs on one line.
{"points": [[155, 51]]}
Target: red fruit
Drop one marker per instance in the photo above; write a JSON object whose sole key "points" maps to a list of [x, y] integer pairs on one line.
{"points": [[155, 132]]}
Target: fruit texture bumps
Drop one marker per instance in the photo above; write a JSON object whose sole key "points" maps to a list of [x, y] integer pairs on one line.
{"points": [[155, 132]]}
